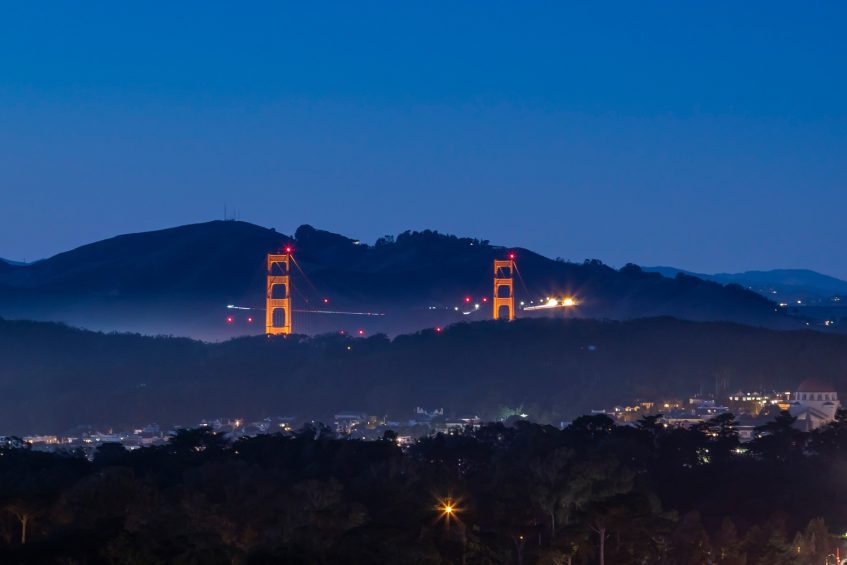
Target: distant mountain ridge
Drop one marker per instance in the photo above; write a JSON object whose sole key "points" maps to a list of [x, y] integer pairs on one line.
{"points": [[178, 281], [796, 281], [13, 263], [8, 265]]}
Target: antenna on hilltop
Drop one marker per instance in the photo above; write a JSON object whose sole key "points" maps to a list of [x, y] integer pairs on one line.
{"points": [[227, 217]]}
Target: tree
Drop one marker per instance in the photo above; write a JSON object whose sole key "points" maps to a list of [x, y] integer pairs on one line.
{"points": [[109, 453], [721, 437], [831, 439], [590, 428], [25, 511], [550, 485], [728, 544], [196, 440], [651, 423], [814, 543], [767, 543], [690, 542], [779, 440], [32, 481]]}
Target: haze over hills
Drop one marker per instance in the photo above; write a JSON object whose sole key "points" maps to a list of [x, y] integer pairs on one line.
{"points": [[54, 377], [819, 299], [5, 262], [789, 279], [178, 281]]}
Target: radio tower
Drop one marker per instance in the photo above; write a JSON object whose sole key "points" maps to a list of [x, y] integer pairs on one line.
{"points": [[503, 273], [278, 280]]}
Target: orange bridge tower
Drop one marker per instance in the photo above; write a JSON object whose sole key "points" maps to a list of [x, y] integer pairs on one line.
{"points": [[278, 298], [504, 289]]}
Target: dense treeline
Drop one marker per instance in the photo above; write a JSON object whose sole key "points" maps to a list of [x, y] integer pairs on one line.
{"points": [[591, 493], [53, 377]]}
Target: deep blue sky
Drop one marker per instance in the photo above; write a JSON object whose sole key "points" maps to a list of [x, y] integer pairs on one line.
{"points": [[709, 136]]}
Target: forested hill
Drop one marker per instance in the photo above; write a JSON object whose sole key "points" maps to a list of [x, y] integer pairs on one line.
{"points": [[178, 281], [53, 377]]}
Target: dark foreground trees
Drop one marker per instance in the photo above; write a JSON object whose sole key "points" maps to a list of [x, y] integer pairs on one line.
{"points": [[593, 493]]}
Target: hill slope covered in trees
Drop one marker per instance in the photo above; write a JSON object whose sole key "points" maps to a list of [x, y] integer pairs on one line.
{"points": [[53, 377]]}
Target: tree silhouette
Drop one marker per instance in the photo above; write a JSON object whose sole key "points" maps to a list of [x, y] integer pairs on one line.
{"points": [[779, 440]]}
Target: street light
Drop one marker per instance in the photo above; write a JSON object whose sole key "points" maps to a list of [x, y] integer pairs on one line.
{"points": [[448, 508]]}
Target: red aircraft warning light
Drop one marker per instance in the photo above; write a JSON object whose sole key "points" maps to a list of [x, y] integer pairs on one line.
{"points": [[288, 249], [467, 300], [249, 319], [361, 332], [326, 300], [512, 255], [438, 329], [229, 319]]}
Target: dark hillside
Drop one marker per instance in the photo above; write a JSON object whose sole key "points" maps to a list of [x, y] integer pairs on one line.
{"points": [[53, 377], [178, 281]]}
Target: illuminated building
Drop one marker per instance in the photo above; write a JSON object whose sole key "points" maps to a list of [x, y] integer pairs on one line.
{"points": [[346, 422], [814, 404]]}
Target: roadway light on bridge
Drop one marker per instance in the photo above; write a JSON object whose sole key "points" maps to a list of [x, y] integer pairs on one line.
{"points": [[568, 302]]}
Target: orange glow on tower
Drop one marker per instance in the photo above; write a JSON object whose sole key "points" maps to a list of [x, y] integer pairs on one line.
{"points": [[278, 297], [503, 273]]}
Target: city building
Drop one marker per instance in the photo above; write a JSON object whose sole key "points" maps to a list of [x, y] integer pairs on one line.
{"points": [[424, 417], [753, 402], [349, 420], [814, 404]]}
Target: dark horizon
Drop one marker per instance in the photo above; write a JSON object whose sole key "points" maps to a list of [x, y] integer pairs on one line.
{"points": [[232, 216]]}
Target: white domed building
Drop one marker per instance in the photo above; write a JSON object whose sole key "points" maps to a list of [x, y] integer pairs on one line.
{"points": [[814, 404]]}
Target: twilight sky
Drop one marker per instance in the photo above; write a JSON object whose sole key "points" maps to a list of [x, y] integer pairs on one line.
{"points": [[710, 136]]}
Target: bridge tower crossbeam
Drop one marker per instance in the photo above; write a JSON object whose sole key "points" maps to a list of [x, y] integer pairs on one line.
{"points": [[278, 277]]}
